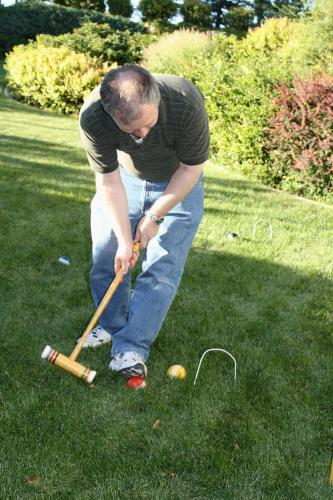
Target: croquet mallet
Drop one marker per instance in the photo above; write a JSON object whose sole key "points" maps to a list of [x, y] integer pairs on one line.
{"points": [[69, 363]]}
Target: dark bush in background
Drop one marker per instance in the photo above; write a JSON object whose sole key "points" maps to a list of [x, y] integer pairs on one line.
{"points": [[23, 21], [103, 42], [83, 4]]}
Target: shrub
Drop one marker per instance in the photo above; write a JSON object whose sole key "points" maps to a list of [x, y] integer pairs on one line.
{"points": [[101, 41], [201, 58], [23, 21], [271, 36], [309, 51], [174, 52], [237, 79], [210, 70], [55, 78], [299, 142], [255, 68]]}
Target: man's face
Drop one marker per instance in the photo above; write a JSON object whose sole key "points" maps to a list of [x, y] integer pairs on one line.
{"points": [[141, 127]]}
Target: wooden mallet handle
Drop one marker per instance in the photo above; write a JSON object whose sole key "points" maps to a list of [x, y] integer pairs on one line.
{"points": [[104, 302]]}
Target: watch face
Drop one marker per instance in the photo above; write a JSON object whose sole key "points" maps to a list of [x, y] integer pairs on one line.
{"points": [[157, 220]]}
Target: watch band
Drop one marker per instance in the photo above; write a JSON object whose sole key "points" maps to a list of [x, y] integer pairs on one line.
{"points": [[157, 220]]}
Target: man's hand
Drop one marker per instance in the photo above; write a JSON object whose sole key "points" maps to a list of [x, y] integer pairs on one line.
{"points": [[145, 231], [125, 257], [180, 184]]}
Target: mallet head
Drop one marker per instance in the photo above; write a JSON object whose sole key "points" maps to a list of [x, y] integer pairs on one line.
{"points": [[68, 364]]}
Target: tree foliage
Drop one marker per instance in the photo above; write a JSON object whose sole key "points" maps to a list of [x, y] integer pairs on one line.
{"points": [[288, 8], [234, 17], [238, 21], [312, 48], [157, 10], [219, 9], [262, 10], [83, 4], [23, 21], [196, 13], [122, 8]]}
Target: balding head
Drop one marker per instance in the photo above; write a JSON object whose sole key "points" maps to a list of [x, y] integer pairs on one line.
{"points": [[124, 90]]}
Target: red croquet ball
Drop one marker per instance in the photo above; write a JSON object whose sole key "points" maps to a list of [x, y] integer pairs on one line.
{"points": [[136, 383]]}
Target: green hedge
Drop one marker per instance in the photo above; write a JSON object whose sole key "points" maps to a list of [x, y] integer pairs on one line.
{"points": [[237, 79], [53, 78], [173, 52], [310, 50], [254, 69], [23, 21], [101, 41], [47, 72]]}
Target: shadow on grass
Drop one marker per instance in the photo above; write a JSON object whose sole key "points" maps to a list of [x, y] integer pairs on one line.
{"points": [[273, 319], [219, 192], [16, 146], [277, 322], [44, 205], [243, 299], [62, 169], [237, 186], [264, 436], [9, 105]]}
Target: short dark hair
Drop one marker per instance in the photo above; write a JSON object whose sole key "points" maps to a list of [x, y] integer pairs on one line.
{"points": [[125, 88]]}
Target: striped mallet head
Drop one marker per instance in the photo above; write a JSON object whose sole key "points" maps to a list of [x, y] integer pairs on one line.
{"points": [[68, 364]]}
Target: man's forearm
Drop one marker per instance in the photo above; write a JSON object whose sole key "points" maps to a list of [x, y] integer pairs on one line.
{"points": [[180, 184], [111, 190]]}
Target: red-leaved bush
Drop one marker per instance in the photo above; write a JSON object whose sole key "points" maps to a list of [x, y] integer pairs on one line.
{"points": [[299, 143]]}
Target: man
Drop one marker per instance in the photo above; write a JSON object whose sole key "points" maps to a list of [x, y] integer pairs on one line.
{"points": [[146, 138]]}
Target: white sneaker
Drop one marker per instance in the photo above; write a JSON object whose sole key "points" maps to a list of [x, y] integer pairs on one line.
{"points": [[130, 364], [98, 336]]}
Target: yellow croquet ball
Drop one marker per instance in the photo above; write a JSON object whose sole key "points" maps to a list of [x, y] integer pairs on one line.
{"points": [[176, 371]]}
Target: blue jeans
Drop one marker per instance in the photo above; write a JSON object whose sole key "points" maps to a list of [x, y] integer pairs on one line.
{"points": [[134, 318]]}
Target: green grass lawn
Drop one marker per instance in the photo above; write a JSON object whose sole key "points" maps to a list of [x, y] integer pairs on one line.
{"points": [[267, 301]]}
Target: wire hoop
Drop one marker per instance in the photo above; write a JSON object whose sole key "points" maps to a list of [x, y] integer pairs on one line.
{"points": [[270, 228], [216, 349]]}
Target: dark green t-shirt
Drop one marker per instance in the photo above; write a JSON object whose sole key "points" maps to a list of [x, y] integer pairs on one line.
{"points": [[181, 134]]}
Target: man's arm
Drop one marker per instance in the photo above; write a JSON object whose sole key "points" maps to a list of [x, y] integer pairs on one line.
{"points": [[180, 184], [111, 190]]}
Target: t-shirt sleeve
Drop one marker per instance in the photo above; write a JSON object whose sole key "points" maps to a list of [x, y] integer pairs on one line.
{"points": [[99, 146], [194, 139]]}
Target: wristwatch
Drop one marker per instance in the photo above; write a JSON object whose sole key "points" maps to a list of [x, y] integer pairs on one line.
{"points": [[157, 220]]}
